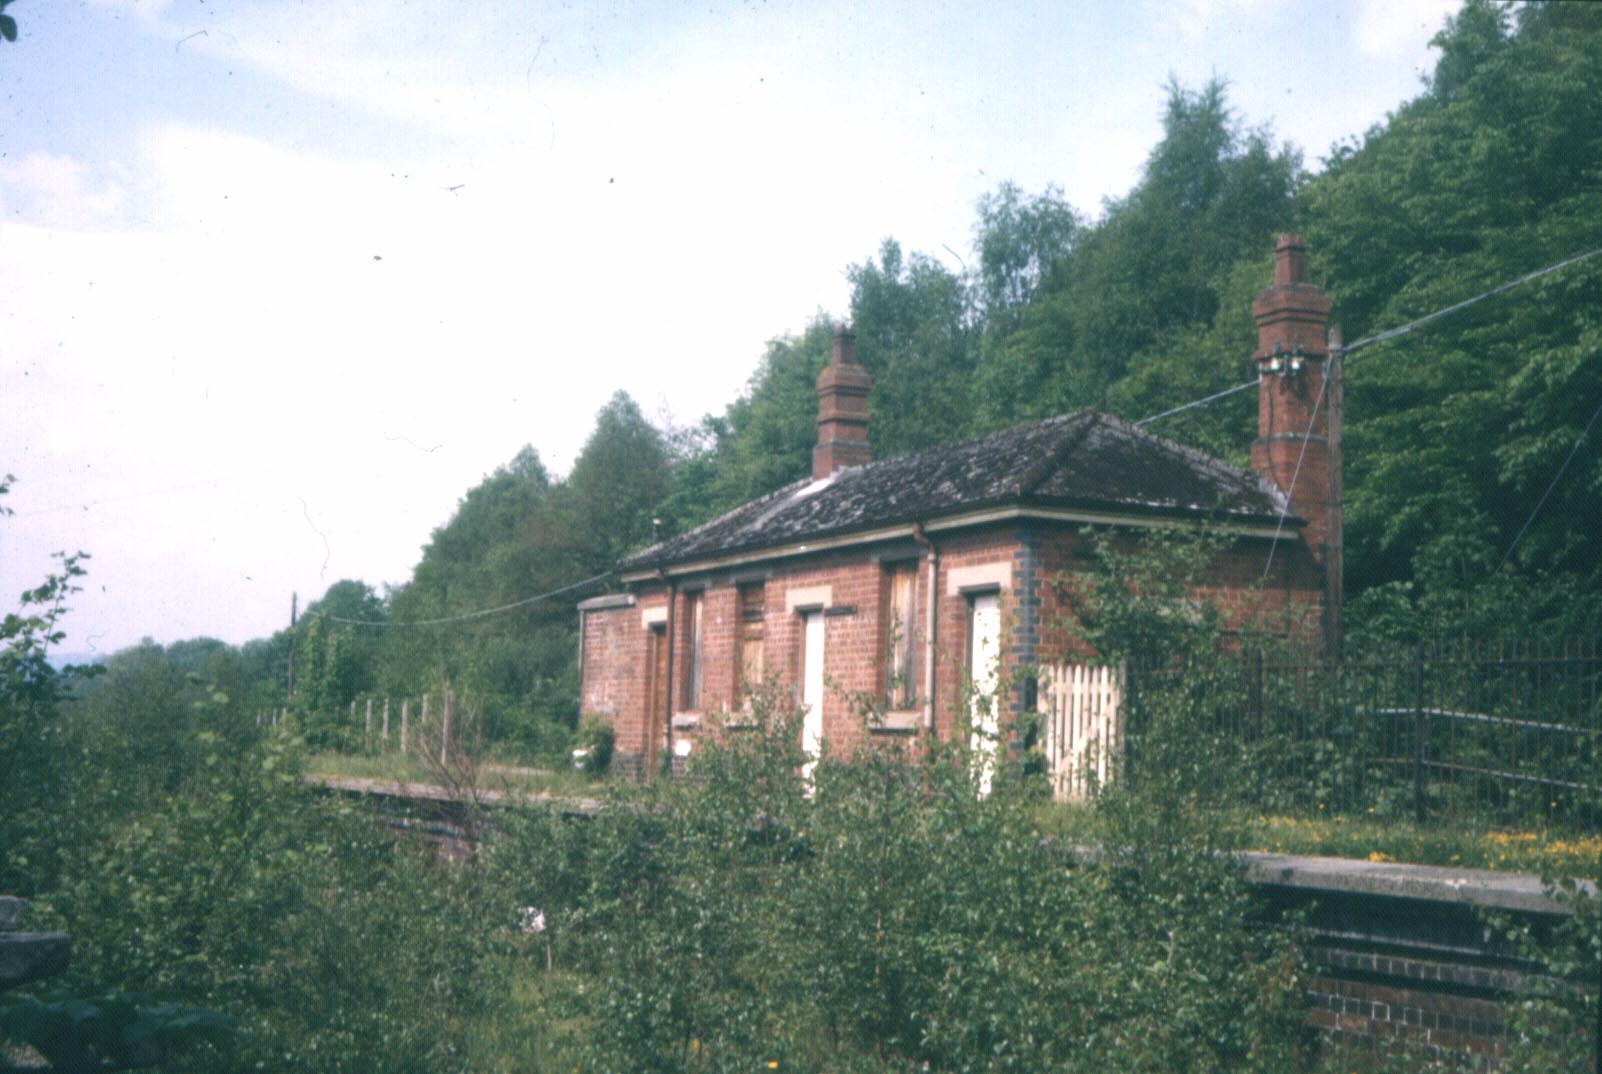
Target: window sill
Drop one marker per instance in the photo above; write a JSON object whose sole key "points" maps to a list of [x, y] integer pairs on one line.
{"points": [[904, 722], [686, 721]]}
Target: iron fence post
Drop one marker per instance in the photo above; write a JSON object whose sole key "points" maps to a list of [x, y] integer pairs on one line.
{"points": [[1418, 733]]}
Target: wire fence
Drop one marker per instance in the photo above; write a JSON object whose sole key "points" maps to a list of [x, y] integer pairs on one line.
{"points": [[1507, 734]]}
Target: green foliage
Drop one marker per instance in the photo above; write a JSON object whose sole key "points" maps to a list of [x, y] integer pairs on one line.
{"points": [[911, 319], [887, 918], [113, 1031], [141, 726], [1025, 246], [597, 738], [1554, 1027], [334, 947], [1455, 432], [33, 771], [617, 480], [1140, 600]]}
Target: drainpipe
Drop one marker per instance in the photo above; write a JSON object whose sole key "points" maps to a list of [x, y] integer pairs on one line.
{"points": [[929, 628], [667, 680], [581, 662]]}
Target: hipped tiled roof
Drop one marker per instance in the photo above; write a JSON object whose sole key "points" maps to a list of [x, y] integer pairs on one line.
{"points": [[1086, 460]]}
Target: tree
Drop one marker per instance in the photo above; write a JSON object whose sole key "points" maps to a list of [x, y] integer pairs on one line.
{"points": [[1025, 247], [1210, 194], [914, 336], [764, 439], [1455, 432], [618, 479]]}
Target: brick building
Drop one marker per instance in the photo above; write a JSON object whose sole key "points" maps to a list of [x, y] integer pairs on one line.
{"points": [[904, 580]]}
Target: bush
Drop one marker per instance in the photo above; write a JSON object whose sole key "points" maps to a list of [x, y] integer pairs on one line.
{"points": [[335, 946], [891, 919], [596, 739]]}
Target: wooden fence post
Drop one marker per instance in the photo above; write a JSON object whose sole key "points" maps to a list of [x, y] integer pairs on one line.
{"points": [[406, 704], [386, 724], [445, 727], [367, 726]]}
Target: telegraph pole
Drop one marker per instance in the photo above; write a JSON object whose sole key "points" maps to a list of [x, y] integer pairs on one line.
{"points": [[1335, 541], [294, 612]]}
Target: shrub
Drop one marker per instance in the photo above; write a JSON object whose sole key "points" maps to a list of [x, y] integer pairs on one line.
{"points": [[889, 917], [597, 739]]}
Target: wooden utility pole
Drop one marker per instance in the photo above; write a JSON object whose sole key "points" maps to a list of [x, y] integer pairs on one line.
{"points": [[1334, 542], [294, 612]]}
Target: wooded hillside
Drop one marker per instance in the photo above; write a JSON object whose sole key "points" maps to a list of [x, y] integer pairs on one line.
{"points": [[1473, 499]]}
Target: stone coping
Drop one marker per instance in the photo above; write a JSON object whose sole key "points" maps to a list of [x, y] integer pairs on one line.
{"points": [[1486, 888], [606, 601], [388, 788], [1483, 888], [28, 956]]}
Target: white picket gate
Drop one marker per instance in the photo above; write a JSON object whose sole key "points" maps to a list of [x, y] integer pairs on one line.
{"points": [[1081, 732]]}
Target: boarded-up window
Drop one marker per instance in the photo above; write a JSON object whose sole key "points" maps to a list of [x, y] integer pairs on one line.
{"points": [[900, 641], [692, 626], [750, 630]]}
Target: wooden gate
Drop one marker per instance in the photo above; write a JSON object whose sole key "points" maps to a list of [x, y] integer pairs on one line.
{"points": [[1081, 732]]}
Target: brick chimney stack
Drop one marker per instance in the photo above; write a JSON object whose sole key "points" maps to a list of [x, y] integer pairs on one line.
{"points": [[1292, 353], [843, 388]]}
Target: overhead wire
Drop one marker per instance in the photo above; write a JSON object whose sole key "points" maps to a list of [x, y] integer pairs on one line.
{"points": [[481, 613], [1379, 337], [1555, 479], [1385, 337], [1394, 333], [1312, 419], [1199, 402]]}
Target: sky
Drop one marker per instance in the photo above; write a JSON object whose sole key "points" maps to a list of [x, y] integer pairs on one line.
{"points": [[280, 282]]}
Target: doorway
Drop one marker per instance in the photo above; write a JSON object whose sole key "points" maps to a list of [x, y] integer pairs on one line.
{"points": [[984, 658], [656, 698], [811, 690]]}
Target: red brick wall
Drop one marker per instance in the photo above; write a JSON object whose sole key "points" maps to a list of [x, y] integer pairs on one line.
{"points": [[616, 672], [1018, 561], [853, 642], [1284, 602]]}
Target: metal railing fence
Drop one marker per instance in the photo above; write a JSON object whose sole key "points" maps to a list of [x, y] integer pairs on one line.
{"points": [[1498, 734]]}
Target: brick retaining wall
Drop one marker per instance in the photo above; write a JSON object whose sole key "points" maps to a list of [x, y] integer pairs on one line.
{"points": [[1404, 953]]}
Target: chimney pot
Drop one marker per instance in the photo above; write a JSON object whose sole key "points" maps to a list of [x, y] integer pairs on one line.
{"points": [[1290, 260], [843, 388], [845, 346]]}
